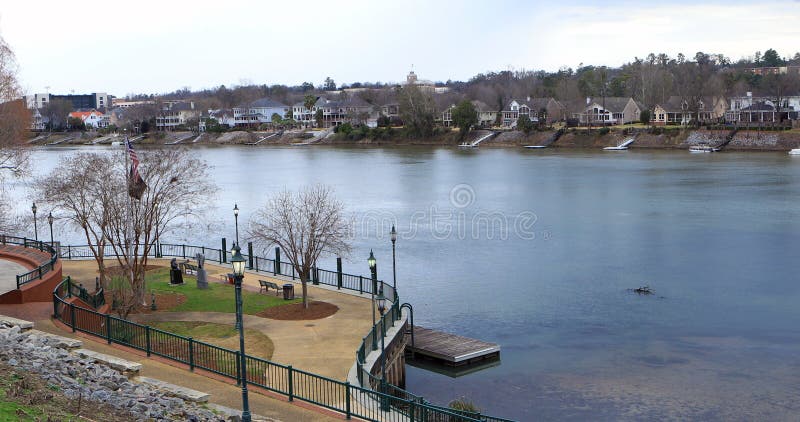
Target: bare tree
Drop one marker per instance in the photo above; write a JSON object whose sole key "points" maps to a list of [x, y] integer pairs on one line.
{"points": [[305, 225], [56, 112], [417, 109], [91, 191], [15, 121], [80, 189], [177, 186]]}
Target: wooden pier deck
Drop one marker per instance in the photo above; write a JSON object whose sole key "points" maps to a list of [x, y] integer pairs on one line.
{"points": [[451, 349]]}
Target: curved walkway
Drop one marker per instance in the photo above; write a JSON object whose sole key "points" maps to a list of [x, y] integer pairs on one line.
{"points": [[8, 274], [324, 346]]}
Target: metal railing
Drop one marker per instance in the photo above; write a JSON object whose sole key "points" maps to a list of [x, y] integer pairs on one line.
{"points": [[295, 384], [95, 300], [38, 272], [371, 400]]}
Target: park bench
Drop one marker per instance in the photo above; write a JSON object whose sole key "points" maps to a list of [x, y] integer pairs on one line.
{"points": [[188, 268], [266, 285]]}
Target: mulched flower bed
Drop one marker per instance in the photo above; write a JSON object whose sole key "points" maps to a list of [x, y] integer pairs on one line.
{"points": [[296, 311]]}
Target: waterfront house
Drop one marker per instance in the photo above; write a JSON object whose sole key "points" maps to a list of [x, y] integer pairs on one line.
{"points": [[677, 111], [93, 118], [486, 116], [352, 110], [175, 114], [37, 121], [258, 112], [751, 109], [546, 107], [609, 111]]}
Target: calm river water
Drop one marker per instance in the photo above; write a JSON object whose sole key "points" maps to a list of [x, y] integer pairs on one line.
{"points": [[536, 251]]}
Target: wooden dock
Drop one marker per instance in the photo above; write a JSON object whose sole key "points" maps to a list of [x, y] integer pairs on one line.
{"points": [[450, 349]]}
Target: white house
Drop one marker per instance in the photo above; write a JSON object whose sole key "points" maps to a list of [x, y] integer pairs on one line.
{"points": [[92, 118], [258, 112], [749, 108]]}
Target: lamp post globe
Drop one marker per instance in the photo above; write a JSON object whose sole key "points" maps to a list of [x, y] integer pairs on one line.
{"points": [[236, 218], [237, 264], [371, 261], [237, 261], [381, 301]]}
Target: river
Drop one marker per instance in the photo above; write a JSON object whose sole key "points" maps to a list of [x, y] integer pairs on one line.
{"points": [[537, 250]]}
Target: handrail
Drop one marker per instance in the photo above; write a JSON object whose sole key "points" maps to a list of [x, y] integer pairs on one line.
{"points": [[351, 400], [38, 272], [398, 399]]}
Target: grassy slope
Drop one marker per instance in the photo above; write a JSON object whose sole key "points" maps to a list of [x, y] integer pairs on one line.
{"points": [[217, 298], [256, 343]]}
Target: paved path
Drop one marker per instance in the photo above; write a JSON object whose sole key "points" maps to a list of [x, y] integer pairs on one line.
{"points": [[325, 346], [8, 274], [222, 393]]}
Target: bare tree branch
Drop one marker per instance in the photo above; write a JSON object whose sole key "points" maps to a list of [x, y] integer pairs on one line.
{"points": [[305, 225]]}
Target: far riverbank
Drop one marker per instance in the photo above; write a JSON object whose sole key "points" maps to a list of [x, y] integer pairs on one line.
{"points": [[672, 138]]}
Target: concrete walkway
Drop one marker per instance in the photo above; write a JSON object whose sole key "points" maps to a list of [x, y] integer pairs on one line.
{"points": [[8, 274], [222, 393], [325, 346]]}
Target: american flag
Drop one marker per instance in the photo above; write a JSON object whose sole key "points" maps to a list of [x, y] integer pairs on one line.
{"points": [[136, 184]]}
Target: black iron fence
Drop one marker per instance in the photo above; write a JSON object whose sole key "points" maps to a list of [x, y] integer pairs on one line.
{"points": [[370, 401], [38, 272], [295, 384]]}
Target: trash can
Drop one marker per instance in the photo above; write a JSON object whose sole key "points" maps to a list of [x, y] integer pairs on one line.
{"points": [[288, 291]]}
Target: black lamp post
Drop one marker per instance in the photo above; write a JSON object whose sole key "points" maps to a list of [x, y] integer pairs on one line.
{"points": [[394, 266], [382, 308], [237, 262], [35, 227], [50, 221], [373, 268], [236, 217]]}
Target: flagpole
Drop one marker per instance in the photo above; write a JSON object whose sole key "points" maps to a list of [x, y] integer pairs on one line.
{"points": [[130, 209]]}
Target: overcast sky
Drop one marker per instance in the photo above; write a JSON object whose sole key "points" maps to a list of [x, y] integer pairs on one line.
{"points": [[148, 46]]}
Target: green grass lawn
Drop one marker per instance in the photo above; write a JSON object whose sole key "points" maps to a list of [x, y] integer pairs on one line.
{"points": [[217, 298], [256, 343]]}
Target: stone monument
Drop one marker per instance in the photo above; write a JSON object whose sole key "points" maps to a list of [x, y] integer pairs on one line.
{"points": [[202, 276], [175, 274]]}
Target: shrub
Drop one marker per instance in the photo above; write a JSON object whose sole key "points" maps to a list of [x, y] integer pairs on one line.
{"points": [[604, 131], [464, 404]]}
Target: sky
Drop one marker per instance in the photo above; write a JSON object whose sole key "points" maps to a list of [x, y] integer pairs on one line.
{"points": [[159, 46]]}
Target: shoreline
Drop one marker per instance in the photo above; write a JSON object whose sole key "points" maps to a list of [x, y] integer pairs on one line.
{"points": [[669, 139]]}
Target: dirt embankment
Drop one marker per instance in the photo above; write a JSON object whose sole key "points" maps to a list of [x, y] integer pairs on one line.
{"points": [[670, 138]]}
